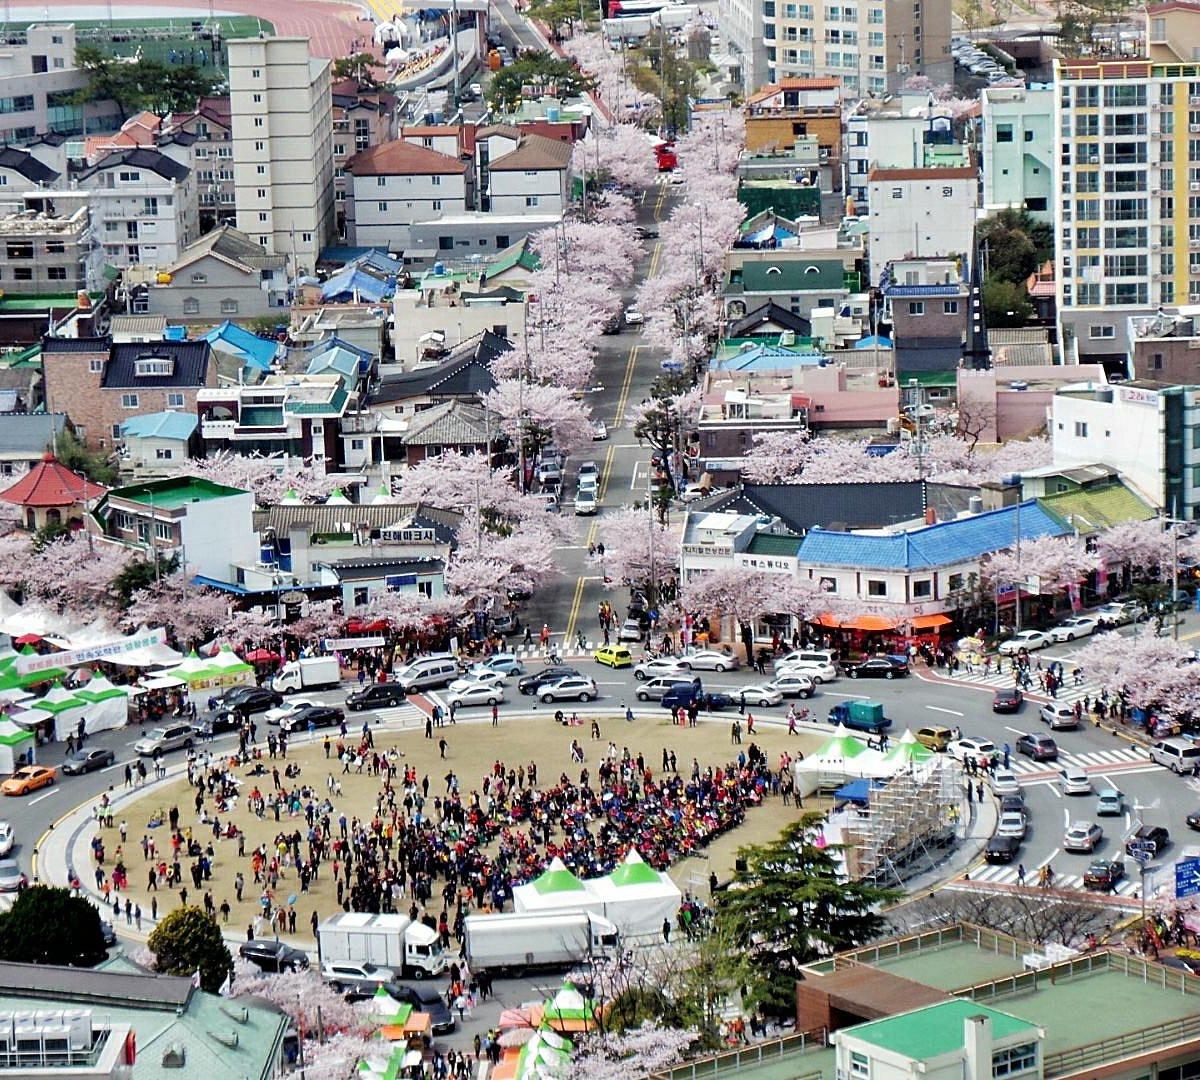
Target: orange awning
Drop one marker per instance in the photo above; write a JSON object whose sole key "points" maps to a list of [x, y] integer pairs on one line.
{"points": [[929, 622], [870, 622]]}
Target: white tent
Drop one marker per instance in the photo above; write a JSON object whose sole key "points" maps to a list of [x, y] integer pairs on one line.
{"points": [[108, 704], [14, 741], [557, 888], [844, 757], [67, 710], [637, 898]]}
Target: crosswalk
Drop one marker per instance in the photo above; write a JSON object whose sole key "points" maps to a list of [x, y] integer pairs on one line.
{"points": [[405, 715], [1008, 875], [1069, 692], [1094, 761]]}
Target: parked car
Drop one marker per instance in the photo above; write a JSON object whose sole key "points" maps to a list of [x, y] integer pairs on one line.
{"points": [[762, 695], [935, 736], [662, 665], [1029, 640], [1008, 699], [709, 660], [1076, 626], [273, 956], [531, 683], [166, 738], [599, 430], [425, 999], [1074, 780], [1082, 836], [7, 837], [88, 759], [1120, 612], [794, 684], [1013, 804], [1038, 747], [1012, 823], [972, 746], [1148, 838], [585, 502], [877, 667], [474, 693], [1110, 803], [12, 877], [572, 688], [631, 630], [1104, 874], [506, 623], [1002, 849], [613, 656], [657, 688], [379, 696], [355, 980], [317, 715]]}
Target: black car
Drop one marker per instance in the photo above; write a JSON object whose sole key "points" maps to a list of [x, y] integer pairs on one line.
{"points": [[316, 715], [877, 667], [1002, 849], [532, 683], [646, 232], [273, 956], [1007, 700], [1103, 874], [1147, 838], [256, 699], [425, 999], [716, 702], [1012, 804], [1038, 747], [231, 697], [378, 696], [1193, 820], [84, 761]]}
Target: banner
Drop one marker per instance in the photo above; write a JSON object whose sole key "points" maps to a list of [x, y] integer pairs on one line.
{"points": [[343, 644], [113, 650]]}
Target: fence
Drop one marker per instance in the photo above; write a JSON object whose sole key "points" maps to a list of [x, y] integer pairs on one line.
{"points": [[756, 1054]]}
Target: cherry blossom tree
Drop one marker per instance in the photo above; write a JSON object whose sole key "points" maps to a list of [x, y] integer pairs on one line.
{"points": [[1140, 545], [457, 481], [488, 563], [539, 414], [269, 478], [1048, 563], [1151, 672], [638, 548], [68, 574], [606, 65], [192, 614], [636, 1052], [621, 153], [406, 610]]}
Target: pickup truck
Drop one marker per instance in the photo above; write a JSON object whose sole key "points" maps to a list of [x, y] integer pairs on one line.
{"points": [[860, 716]]}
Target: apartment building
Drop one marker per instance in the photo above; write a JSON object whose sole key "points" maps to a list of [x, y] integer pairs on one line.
{"points": [[1172, 30], [921, 213], [211, 126], [1016, 141], [281, 108], [741, 23], [44, 253], [1127, 219], [797, 110], [871, 47], [363, 117]]}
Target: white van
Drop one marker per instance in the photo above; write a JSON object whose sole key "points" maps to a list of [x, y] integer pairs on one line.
{"points": [[1178, 755], [428, 673], [819, 664]]}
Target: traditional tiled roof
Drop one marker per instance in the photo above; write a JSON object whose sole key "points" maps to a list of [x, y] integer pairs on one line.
{"points": [[1095, 508], [452, 423]]}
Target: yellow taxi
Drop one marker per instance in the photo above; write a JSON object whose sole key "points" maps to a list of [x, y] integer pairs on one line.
{"points": [[613, 656], [28, 778]]}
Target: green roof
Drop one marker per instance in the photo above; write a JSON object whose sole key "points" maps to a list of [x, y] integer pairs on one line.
{"points": [[931, 378], [172, 494], [41, 301], [929, 1033], [332, 407], [1093, 509], [261, 416], [789, 274], [555, 881], [518, 254], [635, 873], [767, 544]]}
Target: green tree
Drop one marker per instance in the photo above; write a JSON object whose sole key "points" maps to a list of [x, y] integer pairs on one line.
{"points": [[1024, 234], [187, 941], [361, 66], [663, 70], [141, 574], [1005, 303], [556, 14], [76, 456], [789, 907], [50, 926], [142, 83], [559, 77]]}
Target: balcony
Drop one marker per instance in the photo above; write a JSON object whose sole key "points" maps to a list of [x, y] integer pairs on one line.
{"points": [[217, 429]]}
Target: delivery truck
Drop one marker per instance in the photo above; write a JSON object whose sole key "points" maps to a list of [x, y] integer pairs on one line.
{"points": [[530, 941], [310, 673], [860, 716], [410, 949]]}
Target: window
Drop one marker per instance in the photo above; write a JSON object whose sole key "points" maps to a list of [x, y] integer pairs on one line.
{"points": [[436, 181], [191, 306], [229, 306], [1102, 332], [260, 145], [262, 215], [306, 237], [437, 204], [163, 531], [258, 121], [174, 401], [876, 588], [1156, 363], [916, 307], [257, 99], [860, 1065], [129, 401], [260, 170], [922, 590], [1081, 429], [360, 596], [126, 177], [382, 207], [23, 273], [164, 455], [56, 273], [1004, 133], [954, 582], [1014, 1059], [256, 73], [153, 367], [531, 200], [949, 307], [357, 444]]}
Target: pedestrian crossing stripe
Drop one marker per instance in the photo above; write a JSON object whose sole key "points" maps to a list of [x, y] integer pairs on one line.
{"points": [[1126, 755], [1068, 693], [1007, 875]]}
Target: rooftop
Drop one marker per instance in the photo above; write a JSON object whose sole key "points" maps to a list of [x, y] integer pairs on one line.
{"points": [[51, 483], [174, 493], [402, 158], [160, 425], [935, 1030], [36, 223]]}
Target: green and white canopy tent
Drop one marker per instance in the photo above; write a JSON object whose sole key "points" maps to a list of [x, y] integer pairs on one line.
{"points": [[637, 898], [108, 704], [547, 1054], [14, 741], [11, 679], [907, 751], [557, 889], [67, 710], [844, 757]]}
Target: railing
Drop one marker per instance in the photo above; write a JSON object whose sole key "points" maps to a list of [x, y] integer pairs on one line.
{"points": [[803, 1043], [1120, 1047]]}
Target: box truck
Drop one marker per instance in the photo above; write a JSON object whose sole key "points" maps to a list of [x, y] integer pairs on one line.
{"points": [[860, 716], [311, 673], [528, 941], [410, 949]]}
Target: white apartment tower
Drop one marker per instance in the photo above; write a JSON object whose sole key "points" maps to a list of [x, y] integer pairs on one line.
{"points": [[1127, 213], [282, 116]]}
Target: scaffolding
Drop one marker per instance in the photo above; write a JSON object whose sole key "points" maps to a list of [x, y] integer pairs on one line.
{"points": [[908, 825]]}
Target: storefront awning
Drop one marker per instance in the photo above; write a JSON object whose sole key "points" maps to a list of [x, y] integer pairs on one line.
{"points": [[929, 622], [859, 622]]}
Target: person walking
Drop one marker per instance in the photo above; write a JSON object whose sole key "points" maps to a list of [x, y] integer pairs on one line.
{"points": [[495, 716]]}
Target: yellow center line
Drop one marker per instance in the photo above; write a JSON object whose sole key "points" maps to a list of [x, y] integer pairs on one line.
{"points": [[604, 472], [626, 382], [569, 636]]}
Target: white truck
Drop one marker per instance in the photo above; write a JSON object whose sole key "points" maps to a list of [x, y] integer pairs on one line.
{"points": [[526, 942], [673, 18], [310, 673], [410, 949]]}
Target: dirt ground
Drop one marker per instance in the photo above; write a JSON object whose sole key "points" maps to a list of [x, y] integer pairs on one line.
{"points": [[471, 750]]}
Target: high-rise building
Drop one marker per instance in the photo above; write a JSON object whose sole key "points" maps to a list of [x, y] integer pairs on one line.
{"points": [[1127, 213], [281, 109], [873, 46]]}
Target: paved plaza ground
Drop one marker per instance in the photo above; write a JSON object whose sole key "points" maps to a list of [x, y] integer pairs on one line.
{"points": [[472, 749]]}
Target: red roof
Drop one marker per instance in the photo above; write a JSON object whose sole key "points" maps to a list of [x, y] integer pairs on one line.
{"points": [[51, 483]]}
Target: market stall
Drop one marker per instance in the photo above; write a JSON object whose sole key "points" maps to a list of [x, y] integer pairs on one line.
{"points": [[844, 757], [67, 710], [108, 704], [16, 742]]}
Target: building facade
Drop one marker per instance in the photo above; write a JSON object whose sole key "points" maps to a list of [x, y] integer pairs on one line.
{"points": [[41, 253], [211, 127], [1017, 141], [921, 214]]}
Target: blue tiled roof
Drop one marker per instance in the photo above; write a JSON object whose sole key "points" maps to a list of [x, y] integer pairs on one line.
{"points": [[773, 358], [944, 544], [257, 352], [160, 425], [340, 356], [922, 290], [352, 280]]}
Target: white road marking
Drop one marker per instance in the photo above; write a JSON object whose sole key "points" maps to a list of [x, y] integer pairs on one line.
{"points": [[949, 712], [1015, 731], [52, 791]]}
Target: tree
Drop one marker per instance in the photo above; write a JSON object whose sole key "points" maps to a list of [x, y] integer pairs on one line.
{"points": [[187, 941], [539, 415], [664, 420], [1014, 227], [639, 1051], [1039, 918], [561, 78], [304, 996], [75, 455], [556, 14], [638, 549], [790, 906], [1141, 545], [142, 83], [48, 925], [192, 614], [664, 71], [270, 479], [66, 573], [619, 153], [360, 67], [140, 573], [1043, 565], [1006, 304], [1150, 672]]}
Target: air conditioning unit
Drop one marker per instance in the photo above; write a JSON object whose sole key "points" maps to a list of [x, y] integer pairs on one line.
{"points": [[1194, 99], [1193, 186], [1194, 128], [1194, 242]]}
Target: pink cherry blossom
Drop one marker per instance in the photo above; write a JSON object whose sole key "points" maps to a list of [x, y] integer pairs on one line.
{"points": [[1154, 672], [269, 478], [637, 546], [1049, 562], [1140, 545], [551, 410]]}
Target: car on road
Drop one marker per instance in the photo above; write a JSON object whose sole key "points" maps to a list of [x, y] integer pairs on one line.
{"points": [[1038, 747], [646, 232], [1178, 755], [1076, 626], [1002, 849], [1151, 838], [273, 956], [424, 999], [972, 746], [572, 688], [876, 667], [162, 740], [633, 317], [379, 696], [657, 688], [1074, 780], [761, 695], [599, 431], [1004, 782], [585, 502], [706, 701], [27, 779], [660, 665], [257, 699], [1008, 699], [819, 663], [502, 663], [12, 877], [1193, 820], [709, 660], [589, 471], [474, 693], [613, 656], [549, 474], [477, 678], [1030, 640], [1110, 803], [935, 736], [355, 980], [631, 630], [317, 715], [1104, 874], [1120, 612], [83, 761], [531, 682], [506, 623], [794, 684], [7, 837], [1013, 804], [1059, 715], [291, 705], [1012, 823], [1082, 836]]}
